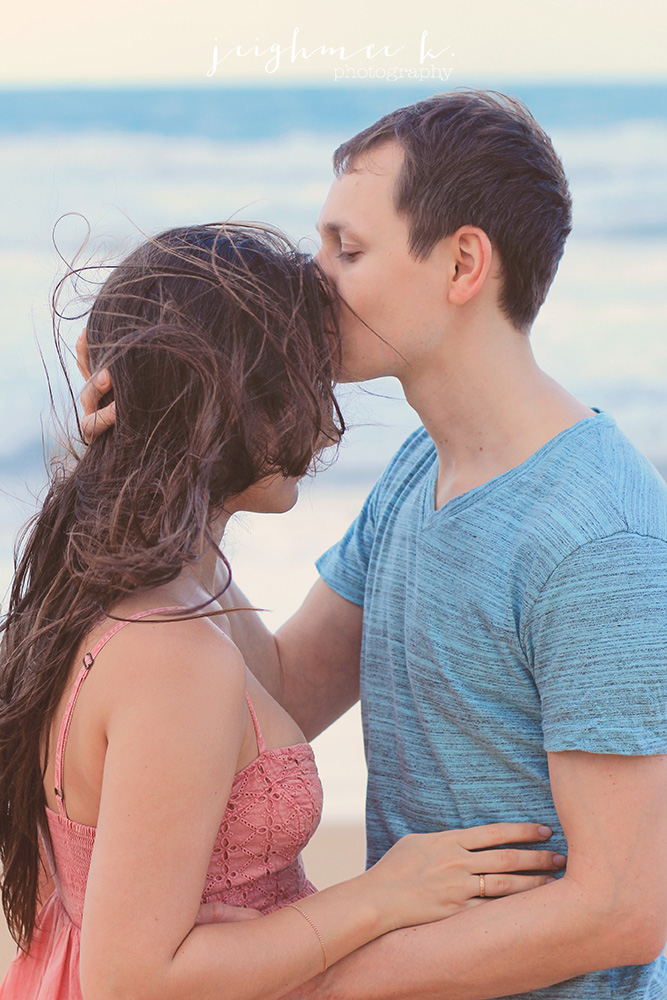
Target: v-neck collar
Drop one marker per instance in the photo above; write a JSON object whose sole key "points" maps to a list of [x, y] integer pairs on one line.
{"points": [[431, 516]]}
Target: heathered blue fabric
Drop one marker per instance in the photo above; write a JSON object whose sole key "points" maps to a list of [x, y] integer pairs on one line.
{"points": [[528, 615]]}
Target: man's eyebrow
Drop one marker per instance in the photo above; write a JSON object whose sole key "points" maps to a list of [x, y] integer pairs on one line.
{"points": [[336, 229]]}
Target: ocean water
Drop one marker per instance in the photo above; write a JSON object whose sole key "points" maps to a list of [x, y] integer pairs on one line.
{"points": [[136, 162]]}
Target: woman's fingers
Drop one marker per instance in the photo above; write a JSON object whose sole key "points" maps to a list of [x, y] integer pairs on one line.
{"points": [[509, 860], [468, 904], [478, 837], [505, 885], [94, 424], [93, 391], [82, 359]]}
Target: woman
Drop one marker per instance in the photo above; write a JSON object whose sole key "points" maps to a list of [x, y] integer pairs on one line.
{"points": [[134, 743]]}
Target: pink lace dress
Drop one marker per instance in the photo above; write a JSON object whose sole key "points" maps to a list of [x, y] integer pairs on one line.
{"points": [[273, 810]]}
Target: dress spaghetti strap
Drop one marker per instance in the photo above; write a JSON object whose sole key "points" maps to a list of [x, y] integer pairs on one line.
{"points": [[88, 661], [261, 745]]}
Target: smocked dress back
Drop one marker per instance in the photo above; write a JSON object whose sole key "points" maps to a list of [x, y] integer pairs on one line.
{"points": [[272, 812]]}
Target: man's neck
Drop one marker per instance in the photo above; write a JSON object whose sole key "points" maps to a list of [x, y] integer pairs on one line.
{"points": [[488, 408]]}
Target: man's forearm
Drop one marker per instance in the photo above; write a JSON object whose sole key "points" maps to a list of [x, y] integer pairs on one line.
{"points": [[257, 644], [506, 947], [311, 665]]}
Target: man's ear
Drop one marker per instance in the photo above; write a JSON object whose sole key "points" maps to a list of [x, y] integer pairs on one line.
{"points": [[471, 253]]}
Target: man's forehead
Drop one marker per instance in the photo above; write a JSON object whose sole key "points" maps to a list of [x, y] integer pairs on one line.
{"points": [[383, 158], [332, 227], [359, 193]]}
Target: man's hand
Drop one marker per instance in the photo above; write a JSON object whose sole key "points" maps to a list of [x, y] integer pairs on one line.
{"points": [[94, 422]]}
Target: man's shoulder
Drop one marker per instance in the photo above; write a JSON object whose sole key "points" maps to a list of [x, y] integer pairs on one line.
{"points": [[598, 486]]}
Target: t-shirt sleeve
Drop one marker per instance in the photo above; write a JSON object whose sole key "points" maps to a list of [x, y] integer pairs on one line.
{"points": [[597, 643], [344, 566]]}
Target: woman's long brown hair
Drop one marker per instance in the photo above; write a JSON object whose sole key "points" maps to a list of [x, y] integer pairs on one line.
{"points": [[220, 340]]}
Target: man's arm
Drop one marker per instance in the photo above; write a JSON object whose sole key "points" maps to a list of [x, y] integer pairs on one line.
{"points": [[609, 909], [311, 665]]}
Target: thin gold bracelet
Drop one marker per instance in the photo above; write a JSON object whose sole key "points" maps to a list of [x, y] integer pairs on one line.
{"points": [[319, 936]]}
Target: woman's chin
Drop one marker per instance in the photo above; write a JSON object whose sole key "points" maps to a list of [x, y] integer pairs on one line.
{"points": [[273, 495], [288, 503]]}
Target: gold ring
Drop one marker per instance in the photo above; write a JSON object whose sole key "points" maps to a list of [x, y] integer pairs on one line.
{"points": [[482, 886]]}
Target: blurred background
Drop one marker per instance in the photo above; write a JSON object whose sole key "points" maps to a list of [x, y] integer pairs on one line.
{"points": [[140, 117]]}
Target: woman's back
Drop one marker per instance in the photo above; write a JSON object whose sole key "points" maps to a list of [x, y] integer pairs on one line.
{"points": [[273, 808]]}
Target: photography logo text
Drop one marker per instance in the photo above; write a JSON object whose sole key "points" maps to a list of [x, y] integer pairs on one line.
{"points": [[419, 60]]}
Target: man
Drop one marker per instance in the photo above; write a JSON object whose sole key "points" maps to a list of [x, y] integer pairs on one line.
{"points": [[502, 597]]}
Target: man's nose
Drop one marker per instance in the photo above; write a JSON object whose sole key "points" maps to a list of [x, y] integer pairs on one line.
{"points": [[326, 263]]}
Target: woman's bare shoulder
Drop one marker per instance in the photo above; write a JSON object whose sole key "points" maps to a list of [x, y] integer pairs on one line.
{"points": [[190, 659]]}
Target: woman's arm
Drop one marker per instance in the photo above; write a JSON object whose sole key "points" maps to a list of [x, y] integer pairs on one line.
{"points": [[175, 721], [610, 908]]}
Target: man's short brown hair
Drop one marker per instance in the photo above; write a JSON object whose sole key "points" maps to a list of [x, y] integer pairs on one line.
{"points": [[479, 158]]}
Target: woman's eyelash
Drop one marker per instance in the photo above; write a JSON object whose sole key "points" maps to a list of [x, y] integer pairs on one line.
{"points": [[348, 254]]}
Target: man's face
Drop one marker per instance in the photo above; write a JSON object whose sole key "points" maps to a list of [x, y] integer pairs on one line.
{"points": [[365, 254]]}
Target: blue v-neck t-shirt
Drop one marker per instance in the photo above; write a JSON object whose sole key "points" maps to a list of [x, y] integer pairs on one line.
{"points": [[527, 615]]}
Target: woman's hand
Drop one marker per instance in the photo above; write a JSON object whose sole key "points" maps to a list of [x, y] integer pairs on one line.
{"points": [[94, 422], [429, 876]]}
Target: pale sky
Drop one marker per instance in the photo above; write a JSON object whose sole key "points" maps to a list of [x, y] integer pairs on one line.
{"points": [[85, 42]]}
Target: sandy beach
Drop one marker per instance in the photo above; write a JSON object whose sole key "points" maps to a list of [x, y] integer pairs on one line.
{"points": [[334, 854]]}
